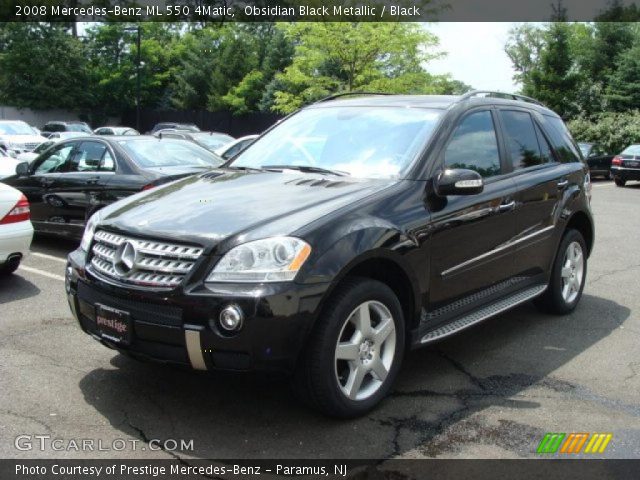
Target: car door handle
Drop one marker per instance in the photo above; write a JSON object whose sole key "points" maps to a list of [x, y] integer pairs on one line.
{"points": [[562, 184], [93, 181], [506, 207], [46, 181]]}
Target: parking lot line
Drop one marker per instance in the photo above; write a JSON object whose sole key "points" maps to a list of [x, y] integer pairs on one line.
{"points": [[42, 272], [50, 257]]}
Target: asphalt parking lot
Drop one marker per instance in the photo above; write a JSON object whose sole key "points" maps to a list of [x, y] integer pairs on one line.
{"points": [[490, 392]]}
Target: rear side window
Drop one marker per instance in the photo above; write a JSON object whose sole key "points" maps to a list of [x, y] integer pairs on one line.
{"points": [[474, 145], [521, 139], [561, 139]]}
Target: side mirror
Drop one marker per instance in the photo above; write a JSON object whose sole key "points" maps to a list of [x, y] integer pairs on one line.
{"points": [[22, 169], [459, 181]]}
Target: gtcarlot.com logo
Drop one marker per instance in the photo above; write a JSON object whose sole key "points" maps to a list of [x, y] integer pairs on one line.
{"points": [[48, 443], [574, 443]]}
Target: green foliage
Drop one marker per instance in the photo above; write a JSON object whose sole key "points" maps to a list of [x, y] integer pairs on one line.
{"points": [[42, 67], [614, 131], [580, 69], [241, 67], [333, 57]]}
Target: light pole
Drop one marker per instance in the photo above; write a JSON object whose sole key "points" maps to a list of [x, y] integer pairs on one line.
{"points": [[138, 30]]}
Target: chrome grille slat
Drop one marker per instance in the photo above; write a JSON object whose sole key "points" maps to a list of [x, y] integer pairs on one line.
{"points": [[156, 264]]}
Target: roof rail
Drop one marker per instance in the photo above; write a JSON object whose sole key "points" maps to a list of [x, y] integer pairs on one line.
{"points": [[347, 94], [510, 96]]}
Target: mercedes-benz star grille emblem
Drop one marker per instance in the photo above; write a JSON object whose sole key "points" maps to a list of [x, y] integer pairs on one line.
{"points": [[124, 259]]}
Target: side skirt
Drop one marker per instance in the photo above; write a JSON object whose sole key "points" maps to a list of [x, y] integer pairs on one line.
{"points": [[483, 313]]}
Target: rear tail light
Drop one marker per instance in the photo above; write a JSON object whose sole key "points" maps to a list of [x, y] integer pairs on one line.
{"points": [[616, 160], [19, 213]]}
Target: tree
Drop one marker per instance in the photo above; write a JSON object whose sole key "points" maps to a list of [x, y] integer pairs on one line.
{"points": [[42, 66], [623, 92], [334, 57]]}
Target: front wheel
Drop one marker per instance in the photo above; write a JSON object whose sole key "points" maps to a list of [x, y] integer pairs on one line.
{"points": [[620, 182], [567, 277], [355, 351]]}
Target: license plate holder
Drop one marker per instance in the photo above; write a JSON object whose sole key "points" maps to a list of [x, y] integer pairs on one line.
{"points": [[633, 164], [113, 324]]}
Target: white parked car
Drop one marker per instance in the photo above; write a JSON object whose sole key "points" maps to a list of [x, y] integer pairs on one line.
{"points": [[7, 164], [16, 230], [31, 156], [233, 148], [17, 137]]}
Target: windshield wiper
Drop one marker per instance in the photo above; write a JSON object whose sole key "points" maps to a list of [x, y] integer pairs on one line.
{"points": [[248, 169], [307, 169]]}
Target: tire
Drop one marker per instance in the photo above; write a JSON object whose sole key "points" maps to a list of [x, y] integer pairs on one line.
{"points": [[567, 276], [9, 267], [324, 381], [620, 182]]}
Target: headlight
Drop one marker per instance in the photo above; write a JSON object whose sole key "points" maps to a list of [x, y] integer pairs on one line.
{"points": [[89, 230], [275, 259]]}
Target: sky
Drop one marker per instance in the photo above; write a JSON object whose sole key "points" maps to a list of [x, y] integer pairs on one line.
{"points": [[475, 54]]}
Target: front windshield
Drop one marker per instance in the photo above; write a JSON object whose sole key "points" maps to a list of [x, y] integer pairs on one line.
{"points": [[631, 150], [213, 140], [16, 128], [151, 152], [369, 142]]}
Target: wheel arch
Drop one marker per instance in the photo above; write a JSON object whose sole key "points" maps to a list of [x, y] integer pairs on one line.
{"points": [[388, 268], [582, 222]]}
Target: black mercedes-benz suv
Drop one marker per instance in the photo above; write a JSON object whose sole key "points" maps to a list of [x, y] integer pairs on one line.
{"points": [[351, 232]]}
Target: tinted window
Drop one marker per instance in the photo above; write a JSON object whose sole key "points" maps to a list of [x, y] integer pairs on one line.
{"points": [[54, 127], [55, 160], [474, 145], [546, 152], [520, 139], [561, 139], [88, 157], [149, 153]]}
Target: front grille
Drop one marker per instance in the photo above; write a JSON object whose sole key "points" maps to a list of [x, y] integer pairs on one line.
{"points": [[151, 263]]}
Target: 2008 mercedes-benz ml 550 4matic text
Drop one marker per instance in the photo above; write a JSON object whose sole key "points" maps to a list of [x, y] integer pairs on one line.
{"points": [[351, 232]]}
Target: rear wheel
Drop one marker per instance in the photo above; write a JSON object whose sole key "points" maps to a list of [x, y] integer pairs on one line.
{"points": [[567, 277], [355, 351], [620, 182], [10, 266]]}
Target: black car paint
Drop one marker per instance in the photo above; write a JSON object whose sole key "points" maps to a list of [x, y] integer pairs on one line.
{"points": [[62, 202], [599, 163], [432, 251]]}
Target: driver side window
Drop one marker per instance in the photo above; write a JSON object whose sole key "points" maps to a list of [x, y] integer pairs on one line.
{"points": [[55, 160], [474, 145]]}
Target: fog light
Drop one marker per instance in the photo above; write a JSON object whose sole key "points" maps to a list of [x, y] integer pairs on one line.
{"points": [[231, 318]]}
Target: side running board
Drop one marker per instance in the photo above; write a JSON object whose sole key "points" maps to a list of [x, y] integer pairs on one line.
{"points": [[485, 312]]}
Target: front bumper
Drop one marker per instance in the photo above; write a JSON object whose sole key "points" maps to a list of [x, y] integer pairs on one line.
{"points": [[181, 326], [626, 173]]}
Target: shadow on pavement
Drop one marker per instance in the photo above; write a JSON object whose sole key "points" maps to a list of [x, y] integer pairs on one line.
{"points": [[439, 388], [14, 287]]}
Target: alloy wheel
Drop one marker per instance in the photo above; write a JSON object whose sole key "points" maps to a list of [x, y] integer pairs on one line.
{"points": [[572, 272], [365, 350]]}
